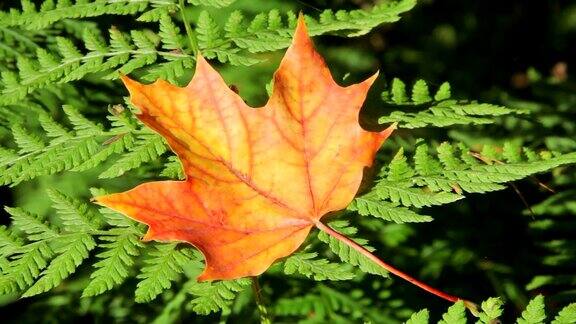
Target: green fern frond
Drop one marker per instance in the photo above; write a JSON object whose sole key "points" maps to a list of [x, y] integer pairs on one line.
{"points": [[325, 304], [566, 315], [214, 45], [73, 249], [14, 43], [212, 3], [123, 53], [147, 148], [165, 54], [82, 125], [402, 192], [10, 243], [534, 312], [429, 181], [309, 266], [211, 297], [121, 247], [26, 142], [35, 227], [420, 92], [25, 267], [163, 266], [173, 168], [87, 145], [268, 32], [76, 216], [52, 11], [438, 112], [491, 310], [57, 133], [370, 205], [420, 317], [456, 314], [346, 253]]}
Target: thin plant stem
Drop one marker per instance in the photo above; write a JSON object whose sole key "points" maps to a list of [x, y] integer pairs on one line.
{"points": [[262, 310], [189, 31], [328, 230]]}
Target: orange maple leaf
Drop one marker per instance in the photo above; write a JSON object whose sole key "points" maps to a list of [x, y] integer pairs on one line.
{"points": [[257, 179]]}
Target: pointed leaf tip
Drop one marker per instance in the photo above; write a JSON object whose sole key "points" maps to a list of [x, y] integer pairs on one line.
{"points": [[301, 33]]}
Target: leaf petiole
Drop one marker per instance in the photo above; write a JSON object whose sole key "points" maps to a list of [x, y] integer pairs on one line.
{"points": [[328, 230]]}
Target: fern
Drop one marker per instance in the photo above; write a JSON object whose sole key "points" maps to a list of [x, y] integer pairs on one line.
{"points": [[370, 205], [552, 216], [147, 148], [420, 317], [308, 265], [401, 192], [459, 172], [76, 216], [346, 253], [210, 297], [51, 11], [173, 169], [212, 3], [119, 250], [566, 315], [73, 250], [438, 112], [534, 313], [24, 267], [34, 226], [165, 53], [491, 310], [124, 53], [57, 253], [456, 314], [325, 304], [83, 147], [163, 266]]}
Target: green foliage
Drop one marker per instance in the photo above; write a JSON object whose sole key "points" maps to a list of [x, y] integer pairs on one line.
{"points": [[211, 297], [457, 169], [164, 265], [52, 11], [325, 304], [534, 313], [456, 314], [420, 317], [119, 248], [491, 312], [51, 253], [64, 127], [348, 254], [442, 111], [566, 315], [85, 146], [318, 269], [165, 52]]}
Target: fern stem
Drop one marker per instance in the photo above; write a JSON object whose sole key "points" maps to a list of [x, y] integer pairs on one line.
{"points": [[328, 230], [189, 31], [262, 310]]}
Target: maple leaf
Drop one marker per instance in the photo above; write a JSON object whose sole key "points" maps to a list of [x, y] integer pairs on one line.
{"points": [[257, 179]]}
